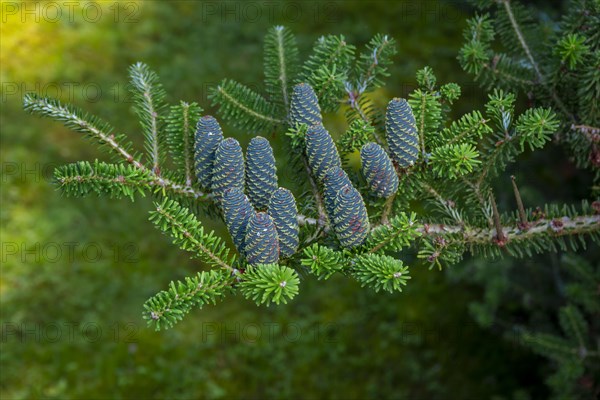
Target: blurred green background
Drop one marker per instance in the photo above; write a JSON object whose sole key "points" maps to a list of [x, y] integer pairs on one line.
{"points": [[75, 272]]}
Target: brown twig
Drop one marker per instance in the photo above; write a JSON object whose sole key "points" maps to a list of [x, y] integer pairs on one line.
{"points": [[520, 208], [500, 238]]}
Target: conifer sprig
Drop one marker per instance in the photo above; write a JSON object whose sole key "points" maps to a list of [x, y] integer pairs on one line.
{"points": [[91, 126], [180, 128], [168, 307], [380, 272], [117, 180], [101, 132], [245, 108], [148, 96], [270, 283], [557, 68], [188, 233], [281, 64], [327, 68]]}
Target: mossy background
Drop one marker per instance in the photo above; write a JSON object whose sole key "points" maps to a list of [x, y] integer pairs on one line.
{"points": [[75, 272]]}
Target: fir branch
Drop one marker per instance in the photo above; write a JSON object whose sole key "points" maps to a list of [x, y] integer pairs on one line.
{"points": [[387, 209], [399, 233], [101, 131], [180, 130], [521, 38], [520, 207], [448, 206], [574, 325], [380, 272], [269, 283], [116, 180], [592, 133], [358, 134], [452, 161], [168, 307], [149, 97], [243, 107], [188, 233], [323, 261], [547, 229], [374, 62], [501, 61], [281, 59], [500, 238], [327, 68], [469, 127], [543, 228], [73, 118], [540, 77]]}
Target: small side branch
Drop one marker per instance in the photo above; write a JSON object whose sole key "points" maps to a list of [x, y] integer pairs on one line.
{"points": [[422, 128], [520, 208], [199, 246], [500, 238], [187, 146], [387, 209], [282, 74], [540, 77], [317, 195]]}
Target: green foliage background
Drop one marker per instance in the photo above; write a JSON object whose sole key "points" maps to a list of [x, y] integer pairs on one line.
{"points": [[71, 322]]}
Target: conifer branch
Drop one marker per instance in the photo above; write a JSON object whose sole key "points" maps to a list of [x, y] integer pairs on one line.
{"points": [[117, 180], [282, 77], [102, 132], [354, 99], [428, 156], [506, 75], [187, 146], [540, 77], [473, 235], [579, 225], [244, 107], [281, 56], [422, 125], [149, 95], [168, 307], [180, 132], [189, 234], [75, 119], [523, 43], [269, 283], [447, 205]]}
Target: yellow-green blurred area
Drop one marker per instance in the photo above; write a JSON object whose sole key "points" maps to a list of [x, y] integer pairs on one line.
{"points": [[75, 272]]}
